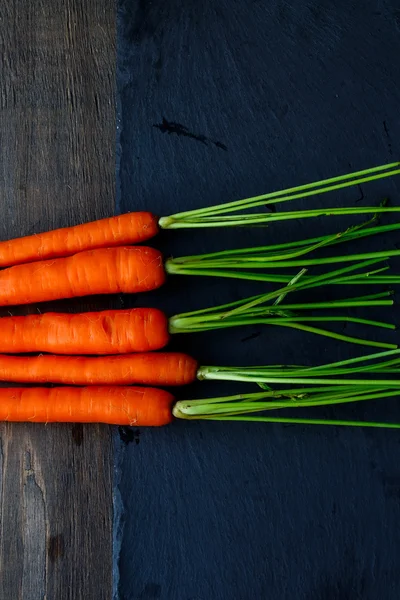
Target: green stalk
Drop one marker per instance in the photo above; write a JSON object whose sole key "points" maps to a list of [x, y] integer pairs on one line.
{"points": [[208, 373], [367, 278], [243, 407], [251, 313], [248, 407], [263, 218], [265, 262], [316, 391], [353, 233], [372, 366], [211, 216], [316, 281], [238, 264], [303, 283], [295, 421], [284, 251]]}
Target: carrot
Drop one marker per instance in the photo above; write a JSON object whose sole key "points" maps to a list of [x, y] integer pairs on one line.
{"points": [[104, 271], [177, 368], [152, 368], [103, 332], [130, 228], [137, 269], [138, 406], [141, 406]]}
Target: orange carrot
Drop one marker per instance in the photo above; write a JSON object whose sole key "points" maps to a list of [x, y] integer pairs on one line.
{"points": [[113, 405], [105, 271], [148, 368], [103, 332], [130, 228]]}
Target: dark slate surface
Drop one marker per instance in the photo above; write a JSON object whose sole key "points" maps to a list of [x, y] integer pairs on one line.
{"points": [[266, 94]]}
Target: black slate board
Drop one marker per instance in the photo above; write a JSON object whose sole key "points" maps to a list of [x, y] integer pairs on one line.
{"points": [[291, 92]]}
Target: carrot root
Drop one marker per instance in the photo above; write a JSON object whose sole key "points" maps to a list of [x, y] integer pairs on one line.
{"points": [[148, 368], [102, 332], [104, 271], [134, 406], [129, 228]]}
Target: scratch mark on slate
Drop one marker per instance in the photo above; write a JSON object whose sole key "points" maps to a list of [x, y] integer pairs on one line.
{"points": [[361, 197], [385, 127], [396, 15], [180, 130], [252, 336]]}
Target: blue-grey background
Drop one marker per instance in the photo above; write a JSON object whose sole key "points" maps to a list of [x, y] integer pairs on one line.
{"points": [[274, 93]]}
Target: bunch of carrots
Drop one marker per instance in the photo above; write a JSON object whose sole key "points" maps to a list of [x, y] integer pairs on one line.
{"points": [[109, 362]]}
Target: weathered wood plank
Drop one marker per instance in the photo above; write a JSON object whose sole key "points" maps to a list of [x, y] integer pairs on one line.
{"points": [[57, 141]]}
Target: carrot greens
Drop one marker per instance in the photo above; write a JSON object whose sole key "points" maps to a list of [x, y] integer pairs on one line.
{"points": [[240, 263], [217, 216], [319, 390]]}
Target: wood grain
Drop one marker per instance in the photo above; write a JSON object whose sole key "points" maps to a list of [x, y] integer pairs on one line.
{"points": [[57, 139]]}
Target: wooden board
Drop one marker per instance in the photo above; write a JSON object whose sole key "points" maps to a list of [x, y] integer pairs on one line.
{"points": [[57, 140]]}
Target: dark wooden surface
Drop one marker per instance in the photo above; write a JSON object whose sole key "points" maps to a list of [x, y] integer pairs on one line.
{"points": [[296, 91], [57, 140]]}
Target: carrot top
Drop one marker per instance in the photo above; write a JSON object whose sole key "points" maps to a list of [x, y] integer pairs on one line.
{"points": [[221, 215]]}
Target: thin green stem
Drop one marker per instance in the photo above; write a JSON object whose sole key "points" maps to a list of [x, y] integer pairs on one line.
{"points": [[246, 376], [242, 408], [281, 251], [263, 262], [268, 218], [338, 336], [313, 282], [284, 393], [350, 234], [189, 218], [180, 326], [368, 278], [297, 421]]}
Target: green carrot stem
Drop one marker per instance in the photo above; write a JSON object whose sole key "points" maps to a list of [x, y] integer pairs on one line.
{"points": [[368, 278], [242, 408], [313, 281], [198, 217], [276, 249], [261, 262], [295, 421], [281, 251], [292, 393], [337, 336], [267, 218], [351, 233], [179, 326], [219, 374]]}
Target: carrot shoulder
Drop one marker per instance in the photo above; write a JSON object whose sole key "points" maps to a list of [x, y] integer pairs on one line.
{"points": [[107, 404], [130, 228], [103, 332], [104, 271], [146, 368]]}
